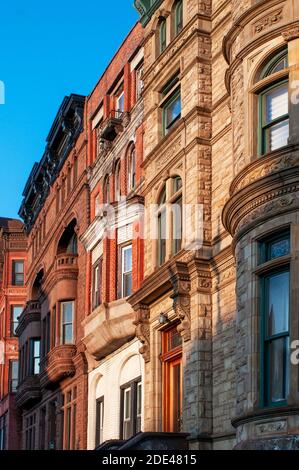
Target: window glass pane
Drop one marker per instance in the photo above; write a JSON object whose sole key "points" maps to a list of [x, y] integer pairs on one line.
{"points": [[179, 17], [127, 259], [177, 225], [174, 339], [19, 267], [67, 308], [278, 135], [278, 291], [177, 184], [162, 236], [121, 103], [277, 103], [162, 36], [172, 111], [279, 248], [278, 369], [127, 410]]}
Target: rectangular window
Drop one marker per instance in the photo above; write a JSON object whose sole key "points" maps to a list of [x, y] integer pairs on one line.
{"points": [[162, 237], [3, 431], [126, 270], [67, 319], [35, 356], [18, 273], [139, 82], [16, 311], [275, 312], [177, 226], [69, 413], [171, 104], [52, 424], [275, 117], [30, 431], [131, 408], [13, 376], [99, 421], [96, 284]]}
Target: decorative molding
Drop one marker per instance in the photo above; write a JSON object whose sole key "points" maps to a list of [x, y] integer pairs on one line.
{"points": [[271, 427], [142, 316], [291, 33], [181, 301], [267, 21]]}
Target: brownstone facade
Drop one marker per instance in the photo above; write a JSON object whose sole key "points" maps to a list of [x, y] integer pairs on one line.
{"points": [[13, 269], [53, 382]]}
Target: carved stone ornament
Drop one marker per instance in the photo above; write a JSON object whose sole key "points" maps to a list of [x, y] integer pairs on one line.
{"points": [[290, 34], [267, 21], [142, 315], [181, 303]]}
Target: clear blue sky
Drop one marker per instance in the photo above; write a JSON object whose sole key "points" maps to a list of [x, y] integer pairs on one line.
{"points": [[48, 50]]}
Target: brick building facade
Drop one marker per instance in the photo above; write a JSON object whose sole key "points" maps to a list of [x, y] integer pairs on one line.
{"points": [[52, 378], [115, 246], [13, 267]]}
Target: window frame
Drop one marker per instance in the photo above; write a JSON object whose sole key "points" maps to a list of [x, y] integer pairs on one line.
{"points": [[268, 267], [33, 358], [263, 144], [133, 387], [178, 26], [13, 389], [97, 294], [100, 421], [122, 248], [62, 324], [15, 274], [162, 35], [12, 321]]}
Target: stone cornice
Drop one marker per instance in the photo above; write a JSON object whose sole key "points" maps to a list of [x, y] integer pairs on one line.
{"points": [[272, 188], [243, 20]]}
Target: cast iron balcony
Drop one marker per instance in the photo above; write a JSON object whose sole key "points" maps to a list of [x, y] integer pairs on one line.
{"points": [[111, 127]]}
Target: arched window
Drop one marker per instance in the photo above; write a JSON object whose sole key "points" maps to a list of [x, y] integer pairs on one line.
{"points": [[68, 243], [178, 17], [117, 181], [170, 211], [273, 106], [106, 190], [162, 35], [131, 169]]}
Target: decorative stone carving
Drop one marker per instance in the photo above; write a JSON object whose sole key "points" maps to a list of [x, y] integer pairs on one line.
{"points": [[271, 427], [263, 168], [290, 34], [142, 316], [181, 303], [267, 21]]}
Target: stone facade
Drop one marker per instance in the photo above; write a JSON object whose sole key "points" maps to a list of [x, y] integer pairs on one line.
{"points": [[52, 387]]}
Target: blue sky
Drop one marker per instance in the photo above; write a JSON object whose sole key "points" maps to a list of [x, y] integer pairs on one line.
{"points": [[48, 50]]}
